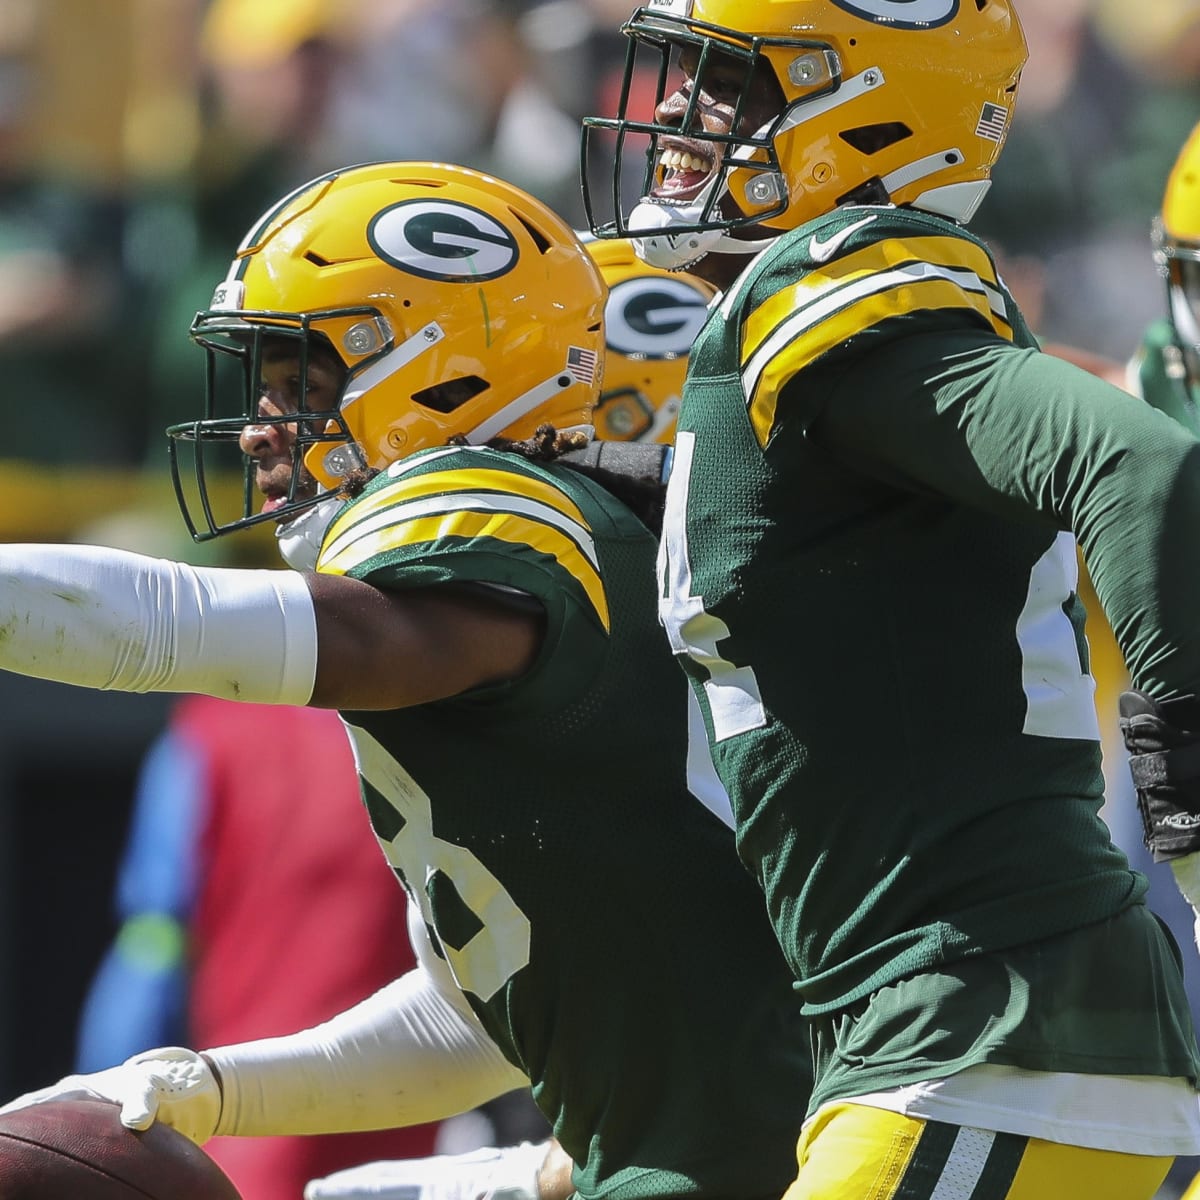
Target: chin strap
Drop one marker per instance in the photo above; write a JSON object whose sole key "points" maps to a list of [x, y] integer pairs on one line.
{"points": [[679, 251], [651, 223], [299, 541]]}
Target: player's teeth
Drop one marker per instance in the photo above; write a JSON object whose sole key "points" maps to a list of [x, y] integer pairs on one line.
{"points": [[681, 160]]}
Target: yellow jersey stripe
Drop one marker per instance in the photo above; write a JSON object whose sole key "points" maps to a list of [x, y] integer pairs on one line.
{"points": [[409, 526], [449, 484], [916, 289], [436, 506], [954, 254]]}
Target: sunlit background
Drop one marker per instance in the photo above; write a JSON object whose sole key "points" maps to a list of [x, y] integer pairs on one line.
{"points": [[139, 139]]}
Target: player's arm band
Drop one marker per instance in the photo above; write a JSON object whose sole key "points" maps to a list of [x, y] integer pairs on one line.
{"points": [[1163, 740], [404, 1056], [105, 618]]}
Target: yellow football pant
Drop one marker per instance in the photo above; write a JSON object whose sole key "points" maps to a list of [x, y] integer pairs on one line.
{"points": [[854, 1152]]}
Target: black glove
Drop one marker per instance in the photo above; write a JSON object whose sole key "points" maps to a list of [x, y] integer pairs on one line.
{"points": [[1163, 740]]}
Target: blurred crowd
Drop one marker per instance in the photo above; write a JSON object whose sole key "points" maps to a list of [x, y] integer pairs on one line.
{"points": [[1110, 93], [139, 139]]}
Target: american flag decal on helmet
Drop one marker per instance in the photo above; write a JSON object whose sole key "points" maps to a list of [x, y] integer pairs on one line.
{"points": [[992, 122], [582, 363]]}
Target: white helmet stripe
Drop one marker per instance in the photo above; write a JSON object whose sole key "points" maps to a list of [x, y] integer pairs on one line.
{"points": [[850, 89], [515, 409], [919, 169], [408, 350]]}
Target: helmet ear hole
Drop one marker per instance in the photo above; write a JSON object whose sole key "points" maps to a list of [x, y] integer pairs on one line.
{"points": [[453, 393], [870, 139]]}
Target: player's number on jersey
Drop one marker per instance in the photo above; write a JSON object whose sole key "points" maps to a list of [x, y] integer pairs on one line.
{"points": [[501, 947], [734, 700]]}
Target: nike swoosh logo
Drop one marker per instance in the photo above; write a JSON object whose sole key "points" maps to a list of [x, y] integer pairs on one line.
{"points": [[821, 251]]}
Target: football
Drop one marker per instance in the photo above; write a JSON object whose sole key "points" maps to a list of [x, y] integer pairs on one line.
{"points": [[79, 1150]]}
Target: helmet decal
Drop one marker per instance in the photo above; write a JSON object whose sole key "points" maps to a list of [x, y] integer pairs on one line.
{"points": [[444, 240], [993, 121], [658, 318], [230, 293], [905, 14]]}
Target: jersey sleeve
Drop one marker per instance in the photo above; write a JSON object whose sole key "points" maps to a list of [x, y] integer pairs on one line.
{"points": [[855, 282], [479, 518], [968, 416]]}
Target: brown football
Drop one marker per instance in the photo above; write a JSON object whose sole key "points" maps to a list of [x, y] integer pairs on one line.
{"points": [[79, 1150]]}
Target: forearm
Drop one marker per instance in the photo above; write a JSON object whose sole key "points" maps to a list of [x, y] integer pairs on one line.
{"points": [[1141, 557], [105, 618], [554, 1175], [402, 1057]]}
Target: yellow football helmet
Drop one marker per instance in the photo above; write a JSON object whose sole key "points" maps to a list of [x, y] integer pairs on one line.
{"points": [[459, 306], [1177, 251], [875, 101], [650, 321]]}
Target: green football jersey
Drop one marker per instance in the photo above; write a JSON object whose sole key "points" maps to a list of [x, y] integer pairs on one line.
{"points": [[594, 913], [868, 573]]}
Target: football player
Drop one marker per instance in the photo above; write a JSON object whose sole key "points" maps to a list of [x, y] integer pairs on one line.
{"points": [[651, 317], [1165, 372], [1166, 369], [484, 620], [868, 573]]}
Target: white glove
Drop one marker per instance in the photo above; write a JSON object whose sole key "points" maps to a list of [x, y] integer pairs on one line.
{"points": [[508, 1174], [171, 1085], [1187, 878]]}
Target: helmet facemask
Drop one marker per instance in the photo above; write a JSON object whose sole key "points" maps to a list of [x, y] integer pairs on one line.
{"points": [[877, 104], [741, 184], [237, 345], [1176, 235]]}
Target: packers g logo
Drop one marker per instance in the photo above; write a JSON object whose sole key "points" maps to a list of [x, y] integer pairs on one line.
{"points": [[442, 239], [656, 318], [904, 14]]}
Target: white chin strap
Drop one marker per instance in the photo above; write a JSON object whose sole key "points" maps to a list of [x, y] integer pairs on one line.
{"points": [[300, 540], [651, 222], [679, 251]]}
